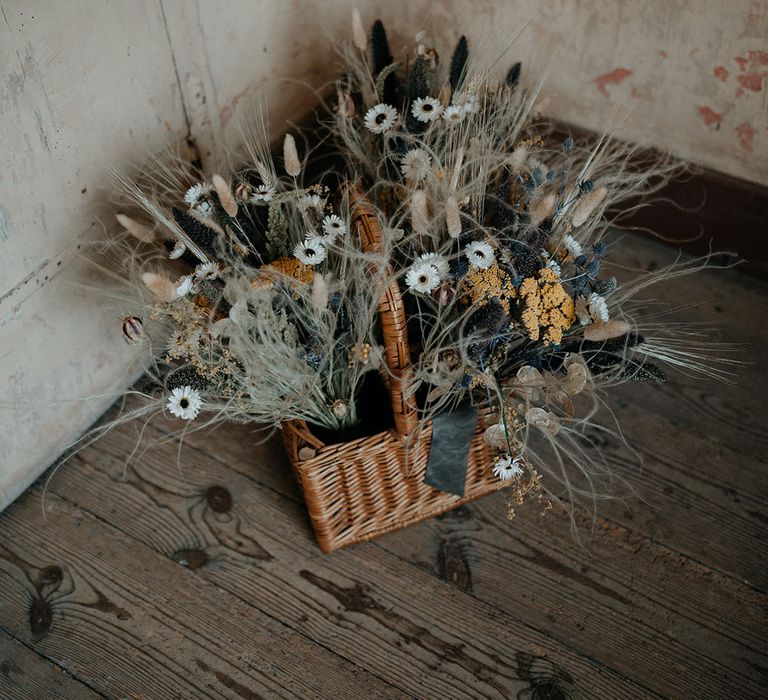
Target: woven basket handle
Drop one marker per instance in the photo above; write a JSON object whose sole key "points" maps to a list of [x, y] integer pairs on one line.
{"points": [[392, 314]]}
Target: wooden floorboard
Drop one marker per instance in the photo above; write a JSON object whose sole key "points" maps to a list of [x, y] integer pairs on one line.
{"points": [[590, 597], [25, 675], [131, 622], [368, 606], [193, 572]]}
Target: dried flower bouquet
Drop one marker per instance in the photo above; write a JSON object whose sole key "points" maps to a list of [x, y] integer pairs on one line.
{"points": [[261, 305]]}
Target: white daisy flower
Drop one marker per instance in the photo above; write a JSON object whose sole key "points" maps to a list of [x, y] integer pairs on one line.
{"points": [[598, 309], [195, 193], [480, 255], [380, 118], [437, 261], [572, 246], [184, 285], [454, 114], [263, 194], [422, 277], [471, 105], [313, 201], [206, 271], [552, 265], [178, 250], [184, 402], [183, 345], [416, 164], [426, 109], [311, 252], [174, 340], [507, 468], [334, 226], [204, 207]]}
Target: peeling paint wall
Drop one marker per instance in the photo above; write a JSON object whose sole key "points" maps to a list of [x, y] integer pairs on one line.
{"points": [[688, 76], [85, 85], [71, 101]]}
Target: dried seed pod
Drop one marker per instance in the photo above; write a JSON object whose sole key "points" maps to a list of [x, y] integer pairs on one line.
{"points": [[444, 294], [545, 421], [339, 408], [459, 63], [161, 287], [517, 159], [359, 38], [306, 453], [453, 217], [224, 191], [606, 330], [243, 192], [587, 204], [496, 436], [531, 383], [542, 208], [420, 212], [319, 293], [133, 329], [137, 230], [291, 156]]}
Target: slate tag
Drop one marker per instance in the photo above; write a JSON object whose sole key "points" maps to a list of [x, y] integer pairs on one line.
{"points": [[451, 438]]}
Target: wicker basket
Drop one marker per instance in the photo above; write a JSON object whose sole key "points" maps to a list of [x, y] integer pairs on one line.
{"points": [[363, 488]]}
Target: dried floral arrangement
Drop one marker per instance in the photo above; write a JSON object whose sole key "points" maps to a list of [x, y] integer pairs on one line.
{"points": [[494, 230], [258, 292]]}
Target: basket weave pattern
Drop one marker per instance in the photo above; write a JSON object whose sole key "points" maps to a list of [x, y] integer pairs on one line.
{"points": [[363, 488]]}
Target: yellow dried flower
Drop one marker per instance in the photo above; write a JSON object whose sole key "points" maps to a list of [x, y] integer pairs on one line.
{"points": [[480, 380], [360, 354], [290, 267], [480, 286], [546, 307]]}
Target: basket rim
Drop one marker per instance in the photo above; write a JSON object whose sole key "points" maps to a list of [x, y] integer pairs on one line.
{"points": [[328, 448], [300, 425]]}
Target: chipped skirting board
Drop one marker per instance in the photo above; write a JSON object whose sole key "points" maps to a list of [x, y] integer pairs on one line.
{"points": [[87, 85]]}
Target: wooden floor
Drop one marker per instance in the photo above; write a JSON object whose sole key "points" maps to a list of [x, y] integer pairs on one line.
{"points": [[194, 574]]}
